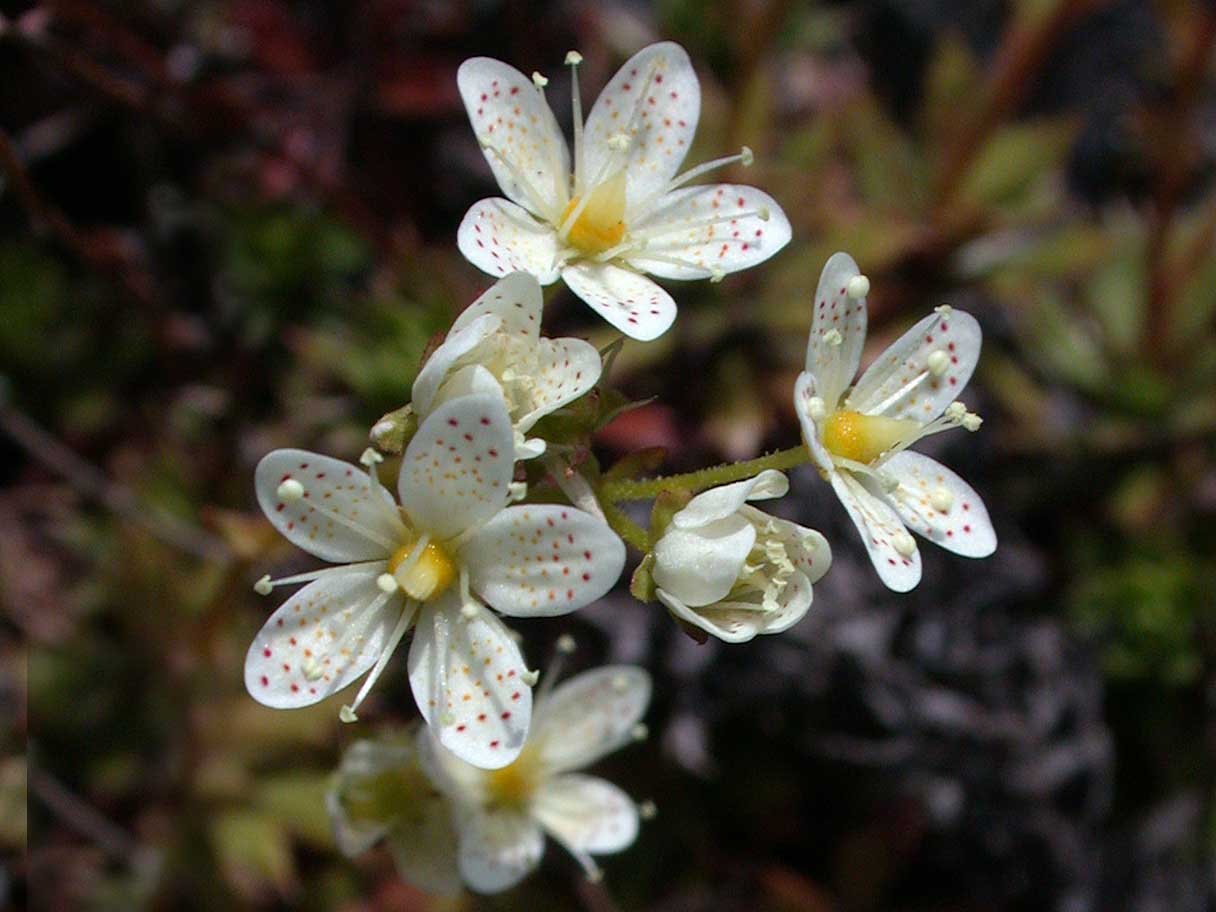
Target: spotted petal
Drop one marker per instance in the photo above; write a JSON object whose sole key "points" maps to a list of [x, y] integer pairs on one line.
{"points": [[631, 302], [321, 639], [339, 518], [700, 566], [467, 677], [586, 814], [514, 299], [539, 560], [709, 230], [807, 548], [962, 527], [563, 370], [879, 525], [456, 470], [499, 237], [834, 364], [590, 715], [517, 130], [899, 384], [424, 845], [720, 502], [738, 621], [655, 100], [459, 342], [804, 391], [498, 848]]}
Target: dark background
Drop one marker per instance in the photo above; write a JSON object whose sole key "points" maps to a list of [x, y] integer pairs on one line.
{"points": [[228, 226]]}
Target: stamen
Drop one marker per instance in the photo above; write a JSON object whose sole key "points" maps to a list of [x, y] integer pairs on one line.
{"points": [[858, 287], [387, 583], [666, 229], [745, 157], [538, 204], [291, 486], [347, 713], [573, 59], [564, 646], [383, 501], [972, 421], [648, 810], [943, 310], [263, 586], [903, 543], [266, 584], [833, 337], [639, 732], [938, 363], [942, 500], [816, 408], [538, 80], [290, 491]]}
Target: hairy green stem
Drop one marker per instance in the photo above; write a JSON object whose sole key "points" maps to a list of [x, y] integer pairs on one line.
{"points": [[626, 528], [645, 489]]}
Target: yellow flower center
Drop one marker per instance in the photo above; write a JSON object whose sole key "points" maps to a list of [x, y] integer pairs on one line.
{"points": [[513, 785], [601, 224], [863, 438], [386, 794], [429, 576]]}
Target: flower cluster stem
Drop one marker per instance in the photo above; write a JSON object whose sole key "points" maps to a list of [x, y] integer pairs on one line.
{"points": [[617, 491], [633, 534]]}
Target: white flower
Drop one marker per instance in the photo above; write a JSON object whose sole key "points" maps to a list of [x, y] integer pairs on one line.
{"points": [[431, 564], [502, 815], [859, 440], [381, 792], [733, 570], [623, 211], [495, 347]]}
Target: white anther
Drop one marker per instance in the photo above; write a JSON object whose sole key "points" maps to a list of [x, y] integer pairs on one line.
{"points": [[468, 610], [263, 586], [347, 714], [312, 669], [595, 875], [370, 457], [903, 543], [517, 490], [538, 80], [618, 141], [639, 732], [530, 677], [565, 644], [620, 683], [858, 287], [716, 274], [816, 408], [746, 157], [290, 491], [888, 481], [833, 337], [387, 582], [573, 58], [380, 429], [943, 310], [763, 213], [942, 499], [648, 810], [938, 362], [956, 411], [972, 421]]}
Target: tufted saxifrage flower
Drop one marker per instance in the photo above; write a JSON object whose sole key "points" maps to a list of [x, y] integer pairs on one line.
{"points": [[858, 439], [502, 815], [735, 571], [495, 347], [380, 792], [619, 210], [434, 563]]}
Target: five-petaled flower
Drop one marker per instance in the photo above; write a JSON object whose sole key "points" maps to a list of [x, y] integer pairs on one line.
{"points": [[859, 440], [381, 792], [622, 211], [735, 571], [495, 347], [434, 563], [502, 815]]}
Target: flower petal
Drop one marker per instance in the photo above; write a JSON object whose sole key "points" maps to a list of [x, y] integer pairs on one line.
{"points": [[695, 225], [631, 302], [807, 548], [424, 846], [590, 715], [834, 364], [540, 560], [473, 380], [499, 237], [654, 100], [456, 469], [459, 342], [720, 502], [321, 639], [962, 527], [586, 814], [879, 525], [700, 567], [498, 848], [563, 371], [899, 383], [467, 677], [510, 114], [515, 299], [361, 526], [741, 621]]}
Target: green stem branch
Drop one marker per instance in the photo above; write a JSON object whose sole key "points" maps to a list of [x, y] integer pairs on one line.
{"points": [[626, 528], [613, 492]]}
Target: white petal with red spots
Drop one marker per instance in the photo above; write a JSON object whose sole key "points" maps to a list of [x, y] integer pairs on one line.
{"points": [[899, 384], [541, 560], [709, 229], [631, 302], [586, 814], [834, 363], [590, 715], [321, 639], [939, 505], [457, 468], [879, 526], [467, 678], [499, 237], [563, 370], [338, 518], [498, 849], [515, 300], [459, 343]]}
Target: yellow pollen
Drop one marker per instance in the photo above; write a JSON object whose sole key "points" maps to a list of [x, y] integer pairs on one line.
{"points": [[863, 438], [601, 224], [513, 785], [431, 574]]}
